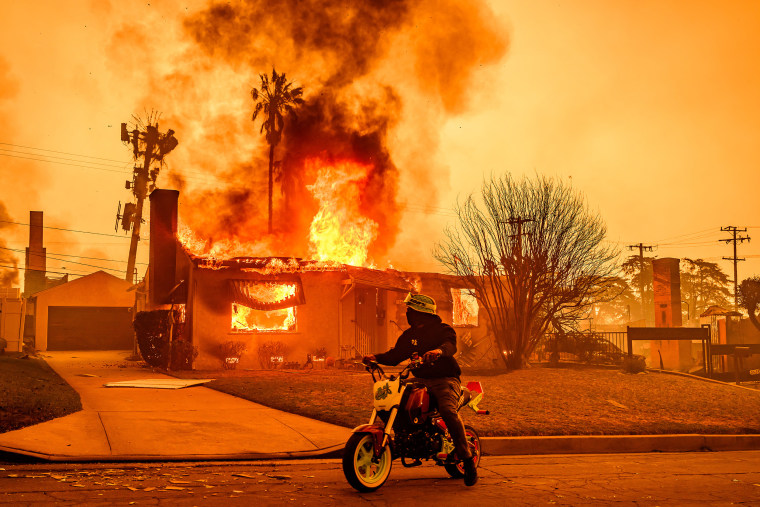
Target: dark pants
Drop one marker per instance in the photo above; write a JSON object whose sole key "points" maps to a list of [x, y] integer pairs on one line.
{"points": [[446, 391]]}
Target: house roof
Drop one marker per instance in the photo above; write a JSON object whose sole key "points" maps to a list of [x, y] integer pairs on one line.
{"points": [[96, 277], [718, 310]]}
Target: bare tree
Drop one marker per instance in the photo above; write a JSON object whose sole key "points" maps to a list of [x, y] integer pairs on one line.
{"points": [[533, 254]]}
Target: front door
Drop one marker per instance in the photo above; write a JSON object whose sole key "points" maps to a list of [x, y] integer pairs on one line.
{"points": [[366, 320]]}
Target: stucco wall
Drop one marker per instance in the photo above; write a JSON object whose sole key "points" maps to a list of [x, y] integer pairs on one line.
{"points": [[97, 289], [317, 321]]}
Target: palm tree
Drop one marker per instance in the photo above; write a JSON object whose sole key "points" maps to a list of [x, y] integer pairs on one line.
{"points": [[275, 97]]}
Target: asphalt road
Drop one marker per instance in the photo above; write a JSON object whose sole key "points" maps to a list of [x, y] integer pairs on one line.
{"points": [[699, 478]]}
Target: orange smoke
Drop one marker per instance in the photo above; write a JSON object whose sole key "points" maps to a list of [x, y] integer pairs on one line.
{"points": [[358, 85]]}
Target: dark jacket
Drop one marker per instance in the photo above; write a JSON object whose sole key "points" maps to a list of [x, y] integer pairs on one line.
{"points": [[434, 334]]}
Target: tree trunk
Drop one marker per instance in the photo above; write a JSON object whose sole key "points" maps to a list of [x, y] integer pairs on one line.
{"points": [[271, 176]]}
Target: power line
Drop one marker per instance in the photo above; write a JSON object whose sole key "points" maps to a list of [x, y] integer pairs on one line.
{"points": [[123, 171], [69, 255], [710, 230], [183, 174], [679, 245], [105, 164], [83, 264], [67, 230], [48, 256], [46, 271], [61, 152]]}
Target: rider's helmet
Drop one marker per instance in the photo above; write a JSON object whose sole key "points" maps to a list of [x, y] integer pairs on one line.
{"points": [[420, 303]]}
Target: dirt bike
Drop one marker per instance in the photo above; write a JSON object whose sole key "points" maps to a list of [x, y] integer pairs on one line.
{"points": [[405, 424]]}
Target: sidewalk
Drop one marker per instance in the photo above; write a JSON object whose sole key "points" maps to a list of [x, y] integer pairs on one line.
{"points": [[137, 424], [198, 423]]}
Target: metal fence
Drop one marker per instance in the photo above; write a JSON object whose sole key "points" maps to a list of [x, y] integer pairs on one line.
{"points": [[591, 346]]}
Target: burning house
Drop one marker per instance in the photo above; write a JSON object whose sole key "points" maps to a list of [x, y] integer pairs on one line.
{"points": [[303, 306], [373, 101]]}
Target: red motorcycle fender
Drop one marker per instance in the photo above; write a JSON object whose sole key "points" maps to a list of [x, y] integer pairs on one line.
{"points": [[377, 432]]}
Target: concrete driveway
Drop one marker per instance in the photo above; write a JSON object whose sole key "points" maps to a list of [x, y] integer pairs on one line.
{"points": [[121, 423]]}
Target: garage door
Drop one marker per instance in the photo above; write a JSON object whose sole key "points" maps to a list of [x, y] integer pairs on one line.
{"points": [[89, 328]]}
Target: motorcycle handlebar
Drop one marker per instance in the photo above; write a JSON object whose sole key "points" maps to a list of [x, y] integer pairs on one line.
{"points": [[414, 362]]}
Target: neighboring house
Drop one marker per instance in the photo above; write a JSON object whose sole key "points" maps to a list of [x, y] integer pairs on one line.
{"points": [[90, 313], [302, 305], [12, 311]]}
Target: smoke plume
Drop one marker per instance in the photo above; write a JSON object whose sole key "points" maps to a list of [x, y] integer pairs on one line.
{"points": [[379, 78], [8, 89], [8, 276]]}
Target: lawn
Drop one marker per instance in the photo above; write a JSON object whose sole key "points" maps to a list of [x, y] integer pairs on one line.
{"points": [[536, 401], [31, 392]]}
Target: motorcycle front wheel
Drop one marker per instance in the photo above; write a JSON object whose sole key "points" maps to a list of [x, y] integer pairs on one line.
{"points": [[457, 469], [362, 472]]}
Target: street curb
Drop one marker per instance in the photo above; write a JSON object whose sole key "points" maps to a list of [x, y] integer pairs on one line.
{"points": [[491, 446], [12, 454], [704, 379], [600, 444]]}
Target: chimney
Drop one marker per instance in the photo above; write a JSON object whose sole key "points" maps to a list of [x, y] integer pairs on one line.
{"points": [[163, 245], [666, 284], [36, 260]]}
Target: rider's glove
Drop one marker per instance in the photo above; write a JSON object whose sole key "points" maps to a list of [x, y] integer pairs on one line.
{"points": [[432, 355], [369, 359]]}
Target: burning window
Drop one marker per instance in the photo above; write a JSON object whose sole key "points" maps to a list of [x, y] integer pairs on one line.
{"points": [[265, 305], [248, 319], [465, 307]]}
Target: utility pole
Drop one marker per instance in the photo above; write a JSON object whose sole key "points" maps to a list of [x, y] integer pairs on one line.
{"points": [[735, 239], [519, 221], [152, 146], [642, 247]]}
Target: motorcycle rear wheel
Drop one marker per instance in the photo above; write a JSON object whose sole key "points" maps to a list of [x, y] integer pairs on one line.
{"points": [[457, 469], [361, 472]]}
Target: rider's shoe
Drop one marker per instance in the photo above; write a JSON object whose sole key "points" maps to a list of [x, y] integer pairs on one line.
{"points": [[470, 472]]}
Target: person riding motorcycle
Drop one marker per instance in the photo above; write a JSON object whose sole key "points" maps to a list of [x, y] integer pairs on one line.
{"points": [[436, 342]]}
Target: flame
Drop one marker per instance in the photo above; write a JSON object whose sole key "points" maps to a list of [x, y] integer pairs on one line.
{"points": [[248, 319], [223, 249], [271, 292], [339, 231]]}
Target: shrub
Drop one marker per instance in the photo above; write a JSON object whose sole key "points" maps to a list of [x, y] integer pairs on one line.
{"points": [[634, 364], [271, 354], [183, 355], [231, 352]]}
